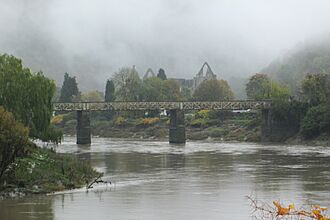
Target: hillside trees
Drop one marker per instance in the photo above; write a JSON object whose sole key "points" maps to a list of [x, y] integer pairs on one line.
{"points": [[213, 90], [28, 96], [316, 92], [292, 68], [316, 88], [69, 90]]}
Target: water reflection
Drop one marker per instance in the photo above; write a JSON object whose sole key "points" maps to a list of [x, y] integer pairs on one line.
{"points": [[155, 180], [27, 208]]}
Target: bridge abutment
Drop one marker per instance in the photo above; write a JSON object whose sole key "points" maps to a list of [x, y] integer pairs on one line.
{"points": [[177, 132], [83, 127]]}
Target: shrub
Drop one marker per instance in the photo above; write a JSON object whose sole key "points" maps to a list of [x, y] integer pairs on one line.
{"points": [[217, 132], [58, 119], [317, 120], [150, 121], [120, 121], [199, 122], [13, 138], [202, 114]]}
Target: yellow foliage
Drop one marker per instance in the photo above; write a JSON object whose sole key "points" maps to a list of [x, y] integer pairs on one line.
{"points": [[150, 121], [316, 212], [202, 114], [282, 210], [57, 119], [120, 121]]}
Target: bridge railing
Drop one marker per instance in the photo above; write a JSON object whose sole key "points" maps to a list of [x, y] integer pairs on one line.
{"points": [[136, 106]]}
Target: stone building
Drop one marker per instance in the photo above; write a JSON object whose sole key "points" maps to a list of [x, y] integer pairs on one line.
{"points": [[149, 73], [205, 73]]}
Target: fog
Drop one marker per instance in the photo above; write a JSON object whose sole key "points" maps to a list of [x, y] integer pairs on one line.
{"points": [[93, 39]]}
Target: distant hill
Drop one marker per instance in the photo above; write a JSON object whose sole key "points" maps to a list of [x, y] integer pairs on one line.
{"points": [[291, 68]]}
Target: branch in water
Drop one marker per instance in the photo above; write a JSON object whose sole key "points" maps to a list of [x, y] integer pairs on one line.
{"points": [[97, 180]]}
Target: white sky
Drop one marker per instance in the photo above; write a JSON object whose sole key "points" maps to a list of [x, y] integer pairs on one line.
{"points": [[92, 39]]}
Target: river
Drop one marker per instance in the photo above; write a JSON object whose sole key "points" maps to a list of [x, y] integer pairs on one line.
{"points": [[199, 180]]}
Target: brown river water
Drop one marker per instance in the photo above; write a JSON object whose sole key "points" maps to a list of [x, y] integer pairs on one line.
{"points": [[199, 180]]}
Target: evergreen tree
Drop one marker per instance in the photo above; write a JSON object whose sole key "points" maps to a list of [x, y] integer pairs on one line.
{"points": [[109, 91], [69, 89], [161, 74]]}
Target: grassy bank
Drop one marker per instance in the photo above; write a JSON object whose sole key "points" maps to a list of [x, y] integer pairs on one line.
{"points": [[43, 171]]}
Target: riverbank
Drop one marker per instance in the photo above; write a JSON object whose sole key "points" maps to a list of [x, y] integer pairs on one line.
{"points": [[243, 127], [321, 140], [42, 171], [239, 127]]}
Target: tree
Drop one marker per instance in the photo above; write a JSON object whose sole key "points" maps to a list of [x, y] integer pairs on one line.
{"points": [[92, 96], [316, 88], [109, 91], [260, 87], [28, 96], [69, 91], [128, 85], [153, 89], [316, 120], [156, 89], [213, 90], [171, 90], [186, 94], [13, 138], [161, 74]]}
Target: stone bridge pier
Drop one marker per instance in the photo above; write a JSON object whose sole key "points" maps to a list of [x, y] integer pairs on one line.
{"points": [[266, 124], [177, 132], [83, 127]]}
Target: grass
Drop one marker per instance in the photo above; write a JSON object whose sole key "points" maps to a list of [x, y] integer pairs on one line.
{"points": [[43, 171]]}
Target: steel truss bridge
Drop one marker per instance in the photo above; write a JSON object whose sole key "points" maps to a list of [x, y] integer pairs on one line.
{"points": [[177, 133], [140, 106]]}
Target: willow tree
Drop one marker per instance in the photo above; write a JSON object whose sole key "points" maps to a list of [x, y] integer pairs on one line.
{"points": [[28, 96]]}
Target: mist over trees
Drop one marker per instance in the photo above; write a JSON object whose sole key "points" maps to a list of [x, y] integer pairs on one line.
{"points": [[100, 37], [310, 58]]}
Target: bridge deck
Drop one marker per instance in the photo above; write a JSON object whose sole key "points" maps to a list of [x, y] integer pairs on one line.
{"points": [[136, 106]]}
